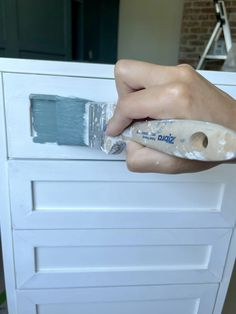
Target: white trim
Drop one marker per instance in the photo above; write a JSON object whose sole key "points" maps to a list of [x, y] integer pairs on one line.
{"points": [[89, 70]]}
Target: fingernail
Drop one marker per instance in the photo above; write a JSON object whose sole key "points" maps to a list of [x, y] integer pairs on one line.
{"points": [[107, 129], [107, 132]]}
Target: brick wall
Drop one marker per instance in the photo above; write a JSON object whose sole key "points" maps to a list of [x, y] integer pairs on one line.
{"points": [[197, 26]]}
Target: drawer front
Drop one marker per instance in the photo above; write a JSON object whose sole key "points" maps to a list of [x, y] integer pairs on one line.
{"points": [[118, 257], [104, 194], [187, 299], [18, 87]]}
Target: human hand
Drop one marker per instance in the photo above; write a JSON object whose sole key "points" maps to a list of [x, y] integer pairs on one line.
{"points": [[159, 92]]}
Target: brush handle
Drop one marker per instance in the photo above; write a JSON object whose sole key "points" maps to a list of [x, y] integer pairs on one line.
{"points": [[190, 139]]}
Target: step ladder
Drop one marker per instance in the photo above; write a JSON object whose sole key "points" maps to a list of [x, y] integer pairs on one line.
{"points": [[222, 25]]}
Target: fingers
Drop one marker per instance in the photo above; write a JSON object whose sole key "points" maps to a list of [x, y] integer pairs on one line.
{"points": [[156, 102], [149, 91], [142, 159], [134, 75]]}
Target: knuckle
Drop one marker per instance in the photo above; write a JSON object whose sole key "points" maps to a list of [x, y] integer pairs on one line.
{"points": [[179, 90], [181, 93], [186, 72], [120, 67]]}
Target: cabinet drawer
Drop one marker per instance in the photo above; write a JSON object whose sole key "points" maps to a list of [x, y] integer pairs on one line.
{"points": [[104, 194], [187, 299], [118, 257], [87, 84], [17, 89]]}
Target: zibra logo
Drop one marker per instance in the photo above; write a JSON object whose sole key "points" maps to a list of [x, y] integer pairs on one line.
{"points": [[167, 138]]}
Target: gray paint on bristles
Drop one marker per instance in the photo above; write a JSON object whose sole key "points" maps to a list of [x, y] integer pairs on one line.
{"points": [[57, 119]]}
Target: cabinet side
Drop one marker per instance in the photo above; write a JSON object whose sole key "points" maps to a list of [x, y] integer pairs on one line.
{"points": [[5, 216], [229, 266]]}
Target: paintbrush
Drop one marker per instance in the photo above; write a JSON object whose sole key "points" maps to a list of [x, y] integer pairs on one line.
{"points": [[77, 121]]}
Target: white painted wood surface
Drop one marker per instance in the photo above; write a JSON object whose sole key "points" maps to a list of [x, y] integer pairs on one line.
{"points": [[11, 65], [75, 69], [178, 299], [75, 221], [5, 214], [119, 257], [229, 266], [88, 194]]}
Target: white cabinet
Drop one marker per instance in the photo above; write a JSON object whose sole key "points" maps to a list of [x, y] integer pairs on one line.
{"points": [[83, 234]]}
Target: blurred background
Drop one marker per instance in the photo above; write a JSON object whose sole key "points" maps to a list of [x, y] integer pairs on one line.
{"points": [[102, 31]]}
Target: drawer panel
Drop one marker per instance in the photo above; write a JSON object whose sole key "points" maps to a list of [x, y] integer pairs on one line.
{"points": [[118, 257], [104, 194], [18, 115], [187, 299]]}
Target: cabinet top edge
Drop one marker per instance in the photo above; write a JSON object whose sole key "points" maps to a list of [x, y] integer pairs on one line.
{"points": [[95, 70], [57, 68]]}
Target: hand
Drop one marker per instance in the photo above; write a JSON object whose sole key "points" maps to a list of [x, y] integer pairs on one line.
{"points": [[159, 92]]}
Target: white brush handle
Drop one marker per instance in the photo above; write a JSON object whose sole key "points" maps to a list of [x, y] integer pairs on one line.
{"points": [[188, 139]]}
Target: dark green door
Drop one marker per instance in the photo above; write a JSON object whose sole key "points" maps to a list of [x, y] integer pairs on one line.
{"points": [[81, 30], [95, 30]]}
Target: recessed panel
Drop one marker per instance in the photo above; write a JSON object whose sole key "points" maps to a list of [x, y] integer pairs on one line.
{"points": [[149, 257], [118, 195], [169, 306]]}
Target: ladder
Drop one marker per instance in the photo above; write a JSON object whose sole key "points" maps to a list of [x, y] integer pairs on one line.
{"points": [[221, 25]]}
